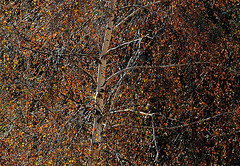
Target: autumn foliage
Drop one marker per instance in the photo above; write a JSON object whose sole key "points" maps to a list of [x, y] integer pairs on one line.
{"points": [[172, 92]]}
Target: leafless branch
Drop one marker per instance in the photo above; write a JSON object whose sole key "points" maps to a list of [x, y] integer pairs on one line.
{"points": [[134, 12], [127, 43], [51, 53], [155, 141], [151, 67], [93, 79], [175, 127]]}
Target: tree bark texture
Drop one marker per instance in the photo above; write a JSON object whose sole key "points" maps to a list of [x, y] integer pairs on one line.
{"points": [[100, 91]]}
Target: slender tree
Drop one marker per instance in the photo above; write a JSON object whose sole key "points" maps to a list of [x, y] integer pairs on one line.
{"points": [[101, 79]]}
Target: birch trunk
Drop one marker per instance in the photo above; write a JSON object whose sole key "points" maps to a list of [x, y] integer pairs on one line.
{"points": [[100, 91]]}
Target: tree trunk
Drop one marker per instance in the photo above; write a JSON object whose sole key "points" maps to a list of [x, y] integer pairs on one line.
{"points": [[100, 91]]}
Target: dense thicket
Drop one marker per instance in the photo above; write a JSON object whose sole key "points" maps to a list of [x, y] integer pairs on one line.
{"points": [[174, 100]]}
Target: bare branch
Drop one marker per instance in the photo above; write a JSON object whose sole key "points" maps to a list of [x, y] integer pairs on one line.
{"points": [[50, 53], [131, 110], [176, 127], [134, 12], [151, 67], [94, 81], [126, 43], [155, 141]]}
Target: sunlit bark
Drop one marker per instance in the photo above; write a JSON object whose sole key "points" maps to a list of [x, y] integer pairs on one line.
{"points": [[100, 92]]}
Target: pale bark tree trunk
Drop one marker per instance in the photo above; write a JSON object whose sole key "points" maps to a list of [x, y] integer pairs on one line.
{"points": [[100, 91]]}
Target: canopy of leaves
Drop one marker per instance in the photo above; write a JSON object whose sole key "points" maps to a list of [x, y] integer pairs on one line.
{"points": [[172, 90]]}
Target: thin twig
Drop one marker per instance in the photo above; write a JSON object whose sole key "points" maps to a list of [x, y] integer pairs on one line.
{"points": [[155, 141]]}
